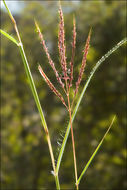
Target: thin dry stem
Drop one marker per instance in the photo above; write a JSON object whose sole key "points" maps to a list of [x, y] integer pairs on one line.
{"points": [[14, 22]]}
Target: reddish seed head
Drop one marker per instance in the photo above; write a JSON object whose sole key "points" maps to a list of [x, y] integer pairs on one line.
{"points": [[61, 45], [51, 85], [73, 53], [67, 77], [48, 56], [83, 63]]}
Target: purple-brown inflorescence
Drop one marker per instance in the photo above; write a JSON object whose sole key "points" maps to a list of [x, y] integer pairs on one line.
{"points": [[61, 45], [51, 85], [73, 53], [83, 63], [48, 56], [62, 52]]}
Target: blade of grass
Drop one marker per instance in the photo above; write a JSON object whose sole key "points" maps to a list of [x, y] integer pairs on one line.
{"points": [[81, 96], [32, 85], [95, 152], [9, 36], [34, 92]]}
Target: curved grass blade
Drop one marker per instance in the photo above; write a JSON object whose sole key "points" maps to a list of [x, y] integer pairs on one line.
{"points": [[95, 152], [81, 96], [9, 37]]}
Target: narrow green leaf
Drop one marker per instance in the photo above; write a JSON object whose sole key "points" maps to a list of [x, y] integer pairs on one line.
{"points": [[9, 37], [81, 96], [32, 85], [95, 152]]}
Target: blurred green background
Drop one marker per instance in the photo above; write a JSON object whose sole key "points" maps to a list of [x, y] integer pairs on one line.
{"points": [[25, 157]]}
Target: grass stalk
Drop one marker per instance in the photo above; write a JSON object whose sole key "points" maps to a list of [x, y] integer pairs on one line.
{"points": [[34, 92], [73, 144], [72, 135], [69, 107]]}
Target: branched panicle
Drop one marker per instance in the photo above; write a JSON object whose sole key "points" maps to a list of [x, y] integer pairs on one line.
{"points": [[61, 44], [51, 85], [83, 63], [62, 53], [73, 53], [48, 56]]}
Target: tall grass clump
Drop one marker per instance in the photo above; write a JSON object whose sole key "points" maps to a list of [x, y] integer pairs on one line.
{"points": [[66, 82]]}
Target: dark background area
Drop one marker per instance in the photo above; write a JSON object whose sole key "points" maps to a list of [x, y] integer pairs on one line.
{"points": [[25, 156]]}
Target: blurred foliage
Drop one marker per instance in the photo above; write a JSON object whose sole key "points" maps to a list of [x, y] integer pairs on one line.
{"points": [[25, 157]]}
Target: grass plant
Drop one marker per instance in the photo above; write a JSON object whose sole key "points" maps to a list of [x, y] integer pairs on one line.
{"points": [[66, 82]]}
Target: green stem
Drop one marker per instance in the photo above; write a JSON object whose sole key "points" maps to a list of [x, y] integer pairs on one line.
{"points": [[73, 144], [57, 182], [72, 134], [34, 92]]}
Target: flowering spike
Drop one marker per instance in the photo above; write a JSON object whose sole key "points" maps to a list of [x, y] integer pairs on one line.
{"points": [[61, 44], [48, 56], [73, 52], [51, 85], [83, 63]]}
